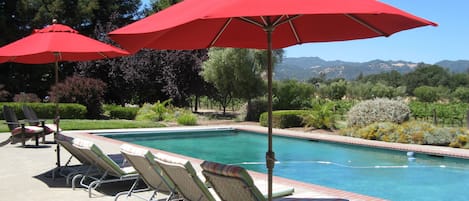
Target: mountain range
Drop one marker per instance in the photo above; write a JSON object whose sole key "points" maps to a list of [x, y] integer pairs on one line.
{"points": [[304, 68]]}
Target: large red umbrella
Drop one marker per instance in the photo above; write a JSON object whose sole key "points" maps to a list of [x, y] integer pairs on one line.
{"points": [[264, 24], [54, 44]]}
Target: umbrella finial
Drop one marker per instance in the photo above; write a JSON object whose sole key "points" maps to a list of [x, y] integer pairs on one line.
{"points": [[54, 21]]}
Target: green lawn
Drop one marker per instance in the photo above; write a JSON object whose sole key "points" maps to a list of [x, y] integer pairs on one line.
{"points": [[75, 124]]}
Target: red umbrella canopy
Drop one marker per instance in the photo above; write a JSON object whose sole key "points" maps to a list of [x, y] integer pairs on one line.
{"points": [[57, 43], [194, 24], [264, 24]]}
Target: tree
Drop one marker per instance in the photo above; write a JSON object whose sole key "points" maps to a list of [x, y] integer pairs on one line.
{"points": [[391, 78], [428, 93], [18, 18], [359, 90], [3, 93], [235, 73], [291, 94], [148, 75], [86, 91], [219, 71], [334, 91], [458, 80], [426, 75], [159, 5], [462, 93]]}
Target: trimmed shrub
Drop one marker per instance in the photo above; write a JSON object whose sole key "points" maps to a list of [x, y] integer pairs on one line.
{"points": [[119, 112], [47, 110], [72, 111], [378, 110], [284, 118]]}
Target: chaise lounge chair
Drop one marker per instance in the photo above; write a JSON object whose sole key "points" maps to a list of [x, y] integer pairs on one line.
{"points": [[86, 162], [233, 183], [110, 171], [184, 177], [19, 131], [144, 163]]}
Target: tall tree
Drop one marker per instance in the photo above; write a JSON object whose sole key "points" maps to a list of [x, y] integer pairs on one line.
{"points": [[426, 75], [18, 18], [148, 75], [219, 71], [236, 73]]}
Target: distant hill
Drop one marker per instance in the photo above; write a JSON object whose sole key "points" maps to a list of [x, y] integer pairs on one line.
{"points": [[304, 68]]}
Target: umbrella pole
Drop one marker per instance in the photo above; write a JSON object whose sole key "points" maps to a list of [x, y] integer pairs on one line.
{"points": [[270, 155], [57, 117]]}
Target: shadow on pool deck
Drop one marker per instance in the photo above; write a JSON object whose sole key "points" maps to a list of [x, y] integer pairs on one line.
{"points": [[109, 189]]}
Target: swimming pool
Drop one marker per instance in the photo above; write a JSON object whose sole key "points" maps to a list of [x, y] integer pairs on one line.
{"points": [[375, 172]]}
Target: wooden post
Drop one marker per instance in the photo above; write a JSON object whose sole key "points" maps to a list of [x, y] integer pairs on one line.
{"points": [[435, 119]]}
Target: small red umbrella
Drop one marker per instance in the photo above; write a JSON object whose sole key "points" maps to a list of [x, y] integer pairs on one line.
{"points": [[54, 44], [264, 24], [57, 43]]}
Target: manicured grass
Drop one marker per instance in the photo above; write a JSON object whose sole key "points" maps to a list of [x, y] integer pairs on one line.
{"points": [[84, 124]]}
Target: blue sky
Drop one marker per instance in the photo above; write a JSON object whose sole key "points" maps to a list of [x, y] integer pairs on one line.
{"points": [[448, 41]]}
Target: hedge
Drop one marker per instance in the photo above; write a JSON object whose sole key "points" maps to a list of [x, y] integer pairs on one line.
{"points": [[47, 110], [118, 112], [284, 118]]}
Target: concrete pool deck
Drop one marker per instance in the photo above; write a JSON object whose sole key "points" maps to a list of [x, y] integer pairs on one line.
{"points": [[25, 171]]}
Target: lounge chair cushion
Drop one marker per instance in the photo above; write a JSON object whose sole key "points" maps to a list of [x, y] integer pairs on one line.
{"points": [[51, 128], [144, 162], [185, 177], [65, 138], [104, 160], [28, 130], [242, 177], [133, 150], [227, 170], [178, 161]]}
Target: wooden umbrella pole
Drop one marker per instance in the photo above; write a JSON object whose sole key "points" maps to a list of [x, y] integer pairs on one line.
{"points": [[270, 155], [57, 117]]}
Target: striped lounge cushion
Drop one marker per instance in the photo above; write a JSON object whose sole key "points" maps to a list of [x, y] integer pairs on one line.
{"points": [[227, 170], [28, 130]]}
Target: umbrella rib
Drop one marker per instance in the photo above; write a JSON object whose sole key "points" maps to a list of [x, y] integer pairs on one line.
{"points": [[295, 33], [360, 21], [287, 19], [102, 54], [252, 21], [221, 31]]}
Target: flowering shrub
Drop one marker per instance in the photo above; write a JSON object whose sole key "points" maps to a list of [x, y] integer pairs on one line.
{"points": [[377, 110]]}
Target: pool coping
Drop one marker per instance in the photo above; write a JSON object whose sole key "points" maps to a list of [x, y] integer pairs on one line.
{"points": [[423, 149]]}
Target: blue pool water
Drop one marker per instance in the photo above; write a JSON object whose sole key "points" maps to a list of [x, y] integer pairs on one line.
{"points": [[375, 172]]}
